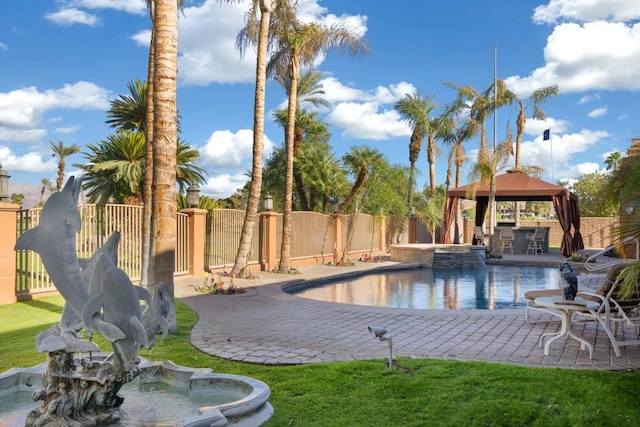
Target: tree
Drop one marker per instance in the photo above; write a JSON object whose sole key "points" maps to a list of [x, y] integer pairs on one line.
{"points": [[115, 168], [307, 126], [17, 198], [299, 44], [46, 184], [538, 97], [165, 135], [594, 195], [62, 151], [431, 212], [415, 110], [613, 161], [360, 161], [485, 171], [256, 32]]}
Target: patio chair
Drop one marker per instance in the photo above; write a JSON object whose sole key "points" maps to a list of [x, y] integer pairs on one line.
{"points": [[506, 239], [613, 310], [536, 241]]}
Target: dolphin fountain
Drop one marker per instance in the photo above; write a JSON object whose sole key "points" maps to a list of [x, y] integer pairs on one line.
{"points": [[80, 389]]}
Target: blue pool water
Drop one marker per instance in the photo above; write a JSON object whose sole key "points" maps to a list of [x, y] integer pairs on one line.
{"points": [[493, 287]]}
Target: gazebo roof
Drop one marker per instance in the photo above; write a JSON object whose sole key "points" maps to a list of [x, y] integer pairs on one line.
{"points": [[513, 186]]}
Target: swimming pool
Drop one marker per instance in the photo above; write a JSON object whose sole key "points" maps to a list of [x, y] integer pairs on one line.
{"points": [[493, 287]]}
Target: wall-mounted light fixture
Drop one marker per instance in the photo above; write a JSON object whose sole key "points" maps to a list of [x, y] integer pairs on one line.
{"points": [[193, 196], [4, 185], [412, 211], [268, 202], [630, 210]]}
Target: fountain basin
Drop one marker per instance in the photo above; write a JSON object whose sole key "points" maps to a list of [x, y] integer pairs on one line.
{"points": [[163, 394]]}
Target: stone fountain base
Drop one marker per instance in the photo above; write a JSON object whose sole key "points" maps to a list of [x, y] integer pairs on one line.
{"points": [[182, 397]]}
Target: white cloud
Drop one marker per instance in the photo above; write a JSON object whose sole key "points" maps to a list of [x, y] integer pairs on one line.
{"points": [[72, 16], [3, 46], [537, 127], [29, 162], [24, 107], [595, 55], [67, 129], [562, 148], [598, 112], [225, 149], [587, 10], [367, 121], [137, 7], [224, 185]]}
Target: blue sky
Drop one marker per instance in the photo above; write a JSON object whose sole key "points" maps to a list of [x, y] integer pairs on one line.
{"points": [[63, 61]]}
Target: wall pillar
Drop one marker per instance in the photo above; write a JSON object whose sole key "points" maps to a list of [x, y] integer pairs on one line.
{"points": [[413, 233], [337, 238], [7, 253], [196, 236], [268, 240], [382, 235]]}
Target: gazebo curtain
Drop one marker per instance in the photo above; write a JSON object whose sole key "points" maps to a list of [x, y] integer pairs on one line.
{"points": [[575, 215], [450, 210], [481, 210], [564, 213]]}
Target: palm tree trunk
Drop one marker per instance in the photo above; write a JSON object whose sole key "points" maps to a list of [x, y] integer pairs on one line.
{"points": [[412, 171], [288, 177], [242, 256], [146, 266], [165, 132], [431, 158]]}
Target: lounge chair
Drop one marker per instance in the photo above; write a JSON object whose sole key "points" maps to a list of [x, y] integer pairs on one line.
{"points": [[613, 310], [478, 236]]}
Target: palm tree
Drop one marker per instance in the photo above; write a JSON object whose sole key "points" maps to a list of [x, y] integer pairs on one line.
{"points": [[485, 171], [415, 110], [62, 151], [115, 168], [306, 122], [165, 136], [478, 107], [299, 44], [613, 161], [46, 184], [360, 161], [538, 97], [322, 173], [256, 32]]}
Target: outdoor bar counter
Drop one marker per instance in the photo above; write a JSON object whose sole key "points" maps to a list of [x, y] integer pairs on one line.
{"points": [[520, 242]]}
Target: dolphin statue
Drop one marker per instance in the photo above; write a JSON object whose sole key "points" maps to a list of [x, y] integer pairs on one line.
{"points": [[116, 305], [55, 241]]}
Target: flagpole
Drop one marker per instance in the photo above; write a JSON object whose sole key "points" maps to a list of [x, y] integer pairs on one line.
{"points": [[551, 151]]}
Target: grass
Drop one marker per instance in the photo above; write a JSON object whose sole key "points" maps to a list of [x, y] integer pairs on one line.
{"points": [[417, 392]]}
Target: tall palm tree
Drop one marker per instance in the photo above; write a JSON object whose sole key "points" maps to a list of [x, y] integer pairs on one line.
{"points": [[360, 161], [322, 173], [299, 44], [613, 161], [115, 168], [478, 107], [165, 135], [537, 98], [256, 32], [62, 151], [306, 122], [485, 171], [416, 111], [46, 184]]}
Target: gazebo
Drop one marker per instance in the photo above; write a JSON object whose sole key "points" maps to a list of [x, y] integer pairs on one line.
{"points": [[517, 186]]}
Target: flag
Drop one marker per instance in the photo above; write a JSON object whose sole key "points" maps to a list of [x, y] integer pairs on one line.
{"points": [[546, 135]]}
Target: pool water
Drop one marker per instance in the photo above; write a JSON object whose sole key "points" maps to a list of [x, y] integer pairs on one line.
{"points": [[491, 287]]}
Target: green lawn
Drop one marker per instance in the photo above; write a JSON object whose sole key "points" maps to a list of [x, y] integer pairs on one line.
{"points": [[420, 392]]}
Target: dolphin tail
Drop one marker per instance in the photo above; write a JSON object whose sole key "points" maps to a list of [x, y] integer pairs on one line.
{"points": [[139, 333]]}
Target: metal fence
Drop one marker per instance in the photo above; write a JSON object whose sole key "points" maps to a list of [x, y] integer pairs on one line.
{"points": [[223, 230], [98, 223]]}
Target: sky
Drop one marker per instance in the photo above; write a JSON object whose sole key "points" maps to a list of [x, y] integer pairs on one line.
{"points": [[63, 61]]}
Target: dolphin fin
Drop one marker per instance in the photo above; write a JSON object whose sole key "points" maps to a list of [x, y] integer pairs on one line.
{"points": [[93, 306], [108, 330], [28, 240], [143, 294], [139, 334]]}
